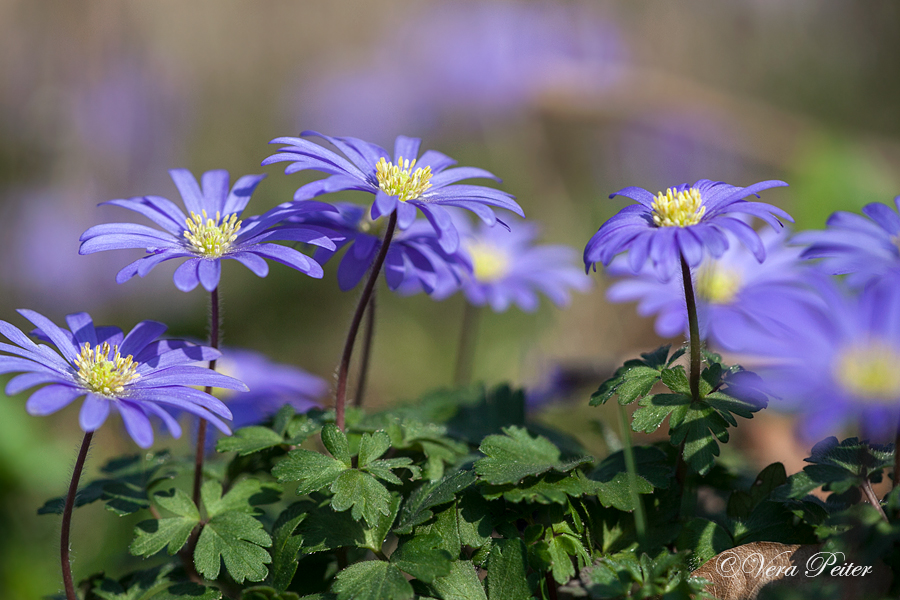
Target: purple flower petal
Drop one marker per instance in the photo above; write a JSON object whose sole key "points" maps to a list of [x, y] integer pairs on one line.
{"points": [[51, 398], [93, 412]]}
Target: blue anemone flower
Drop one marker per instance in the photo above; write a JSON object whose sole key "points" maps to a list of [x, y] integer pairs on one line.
{"points": [[211, 233], [272, 385], [861, 247], [733, 292], [137, 374], [688, 221], [506, 267], [403, 184], [836, 362], [414, 256]]}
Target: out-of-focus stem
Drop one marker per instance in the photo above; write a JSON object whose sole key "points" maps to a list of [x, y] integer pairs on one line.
{"points": [[68, 583], [869, 493], [465, 350], [368, 334], [344, 368], [640, 521]]}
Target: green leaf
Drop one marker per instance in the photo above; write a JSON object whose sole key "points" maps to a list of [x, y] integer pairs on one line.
{"points": [[362, 493], [372, 580], [654, 410], [461, 584], [516, 455], [248, 440], [507, 568], [705, 539], [323, 529], [372, 446], [286, 545], [651, 464], [244, 496], [676, 380], [697, 427], [417, 508], [154, 535], [374, 536], [262, 592], [547, 488], [314, 471], [495, 409], [336, 442], [637, 377], [562, 548], [238, 540], [135, 586], [187, 591], [423, 557], [382, 469], [838, 466], [125, 489]]}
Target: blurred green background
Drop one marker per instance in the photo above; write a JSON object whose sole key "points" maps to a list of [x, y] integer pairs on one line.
{"points": [[566, 101]]}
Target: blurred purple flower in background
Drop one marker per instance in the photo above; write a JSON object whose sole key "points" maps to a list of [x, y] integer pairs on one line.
{"points": [[861, 247], [414, 255], [135, 373], [733, 292], [836, 362], [687, 221], [506, 267], [428, 182], [461, 59], [209, 235], [272, 385]]}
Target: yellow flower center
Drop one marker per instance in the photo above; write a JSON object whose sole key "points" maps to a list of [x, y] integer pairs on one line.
{"points": [[717, 284], [102, 375], [870, 371], [403, 179], [489, 263], [678, 209], [211, 238]]}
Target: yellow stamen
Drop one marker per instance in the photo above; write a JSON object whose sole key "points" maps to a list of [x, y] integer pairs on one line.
{"points": [[210, 238], [102, 375], [678, 209], [869, 371], [489, 263], [717, 284], [403, 179]]}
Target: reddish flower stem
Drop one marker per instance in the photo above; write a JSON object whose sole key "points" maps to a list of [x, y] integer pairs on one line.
{"points": [[344, 368], [67, 517], [201, 430]]}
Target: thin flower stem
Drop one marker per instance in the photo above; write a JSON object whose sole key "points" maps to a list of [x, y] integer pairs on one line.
{"points": [[640, 521], [465, 350], [368, 334], [681, 470], [551, 586], [866, 488], [693, 329], [201, 430], [344, 368], [67, 517]]}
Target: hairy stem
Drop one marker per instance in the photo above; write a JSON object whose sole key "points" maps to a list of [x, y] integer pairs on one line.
{"points": [[344, 368], [640, 521], [465, 350], [368, 334], [67, 517], [869, 493]]}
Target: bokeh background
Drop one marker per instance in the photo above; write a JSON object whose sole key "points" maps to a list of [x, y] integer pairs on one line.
{"points": [[567, 101]]}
